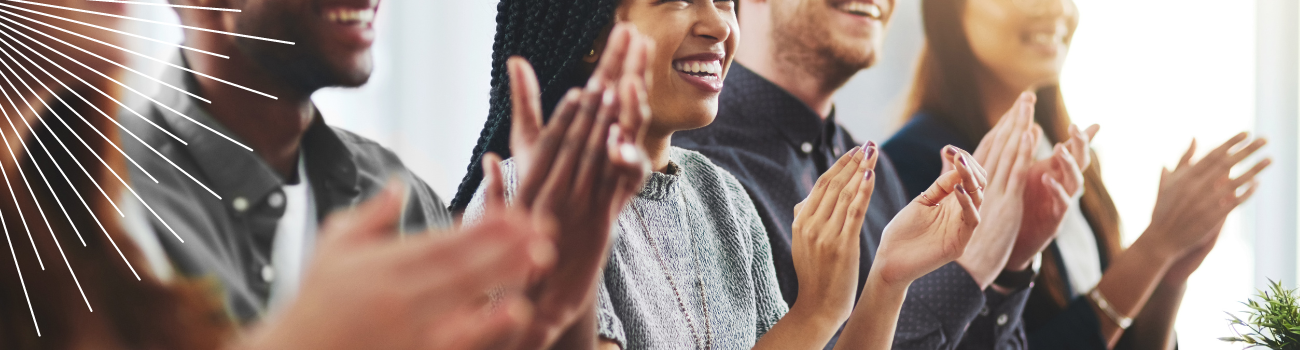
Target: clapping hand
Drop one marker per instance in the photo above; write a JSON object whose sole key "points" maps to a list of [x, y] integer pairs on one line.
{"points": [[366, 289], [935, 228], [826, 233], [1052, 185], [576, 173]]}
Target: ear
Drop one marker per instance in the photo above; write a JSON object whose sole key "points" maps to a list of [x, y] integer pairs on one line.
{"points": [[597, 47]]}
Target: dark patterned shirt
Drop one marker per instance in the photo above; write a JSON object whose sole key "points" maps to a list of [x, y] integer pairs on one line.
{"points": [[230, 239], [777, 147]]}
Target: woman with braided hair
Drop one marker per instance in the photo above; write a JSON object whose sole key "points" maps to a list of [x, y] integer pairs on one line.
{"points": [[691, 266]]}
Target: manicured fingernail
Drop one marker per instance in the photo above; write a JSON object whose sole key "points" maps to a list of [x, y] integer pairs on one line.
{"points": [[868, 176], [963, 161], [855, 150], [871, 152], [961, 188], [952, 151]]}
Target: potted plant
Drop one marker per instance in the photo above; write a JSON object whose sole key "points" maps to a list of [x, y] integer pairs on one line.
{"points": [[1272, 322]]}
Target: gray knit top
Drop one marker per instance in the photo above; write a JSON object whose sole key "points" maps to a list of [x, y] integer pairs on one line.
{"points": [[691, 264]]}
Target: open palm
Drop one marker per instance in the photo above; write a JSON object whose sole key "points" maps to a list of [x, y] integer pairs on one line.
{"points": [[934, 229]]}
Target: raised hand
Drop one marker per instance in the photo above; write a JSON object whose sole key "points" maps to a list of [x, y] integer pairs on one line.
{"points": [[935, 228], [827, 230], [367, 289], [1006, 151], [1197, 196], [1052, 184], [577, 172]]}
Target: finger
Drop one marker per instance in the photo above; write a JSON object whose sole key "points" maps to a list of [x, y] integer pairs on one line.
{"points": [[838, 194], [1078, 145], [593, 169], [1250, 191], [1024, 156], [375, 218], [526, 106], [969, 182], [560, 181], [814, 199], [857, 210], [851, 193], [939, 189], [610, 67], [547, 147], [1071, 173], [502, 252], [1222, 151], [1245, 151], [969, 214], [1004, 159], [947, 155], [495, 194], [995, 139], [1249, 175], [1059, 194], [1186, 160]]}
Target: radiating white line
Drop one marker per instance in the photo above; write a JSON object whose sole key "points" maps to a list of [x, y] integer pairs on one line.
{"points": [[119, 83], [119, 125], [119, 32], [127, 130], [44, 147], [20, 274], [146, 76], [154, 22], [47, 184], [74, 134], [140, 54], [170, 5], [23, 174], [56, 136]]}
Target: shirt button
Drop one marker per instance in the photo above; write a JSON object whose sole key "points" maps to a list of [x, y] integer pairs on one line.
{"points": [[275, 200], [268, 273], [240, 204], [1002, 319], [984, 311], [806, 147]]}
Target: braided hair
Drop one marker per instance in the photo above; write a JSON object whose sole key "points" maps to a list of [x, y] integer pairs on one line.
{"points": [[553, 35]]}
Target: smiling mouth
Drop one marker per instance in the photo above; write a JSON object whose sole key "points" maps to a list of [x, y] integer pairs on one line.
{"points": [[350, 16], [859, 8], [703, 69]]}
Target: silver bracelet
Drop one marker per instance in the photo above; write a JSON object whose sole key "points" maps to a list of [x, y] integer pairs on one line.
{"points": [[1120, 320]]}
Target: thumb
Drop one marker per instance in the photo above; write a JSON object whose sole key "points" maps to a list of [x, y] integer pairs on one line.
{"points": [[525, 101], [374, 219]]}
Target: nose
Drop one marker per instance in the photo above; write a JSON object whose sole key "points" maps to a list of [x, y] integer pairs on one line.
{"points": [[712, 24]]}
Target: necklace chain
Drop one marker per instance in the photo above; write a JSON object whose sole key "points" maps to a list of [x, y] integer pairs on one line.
{"points": [[681, 303]]}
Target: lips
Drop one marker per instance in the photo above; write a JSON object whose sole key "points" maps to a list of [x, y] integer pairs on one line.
{"points": [[351, 23], [704, 71], [860, 8]]}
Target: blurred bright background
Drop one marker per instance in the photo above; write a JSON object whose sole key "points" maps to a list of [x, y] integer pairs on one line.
{"points": [[1154, 73]]}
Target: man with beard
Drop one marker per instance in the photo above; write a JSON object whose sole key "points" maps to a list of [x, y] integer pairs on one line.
{"points": [[248, 178], [776, 132]]}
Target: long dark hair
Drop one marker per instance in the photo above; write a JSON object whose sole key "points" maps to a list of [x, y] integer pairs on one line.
{"points": [[553, 35], [946, 87]]}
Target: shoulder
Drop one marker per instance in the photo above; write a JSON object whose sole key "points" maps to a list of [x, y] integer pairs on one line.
{"points": [[713, 182], [923, 134], [376, 165]]}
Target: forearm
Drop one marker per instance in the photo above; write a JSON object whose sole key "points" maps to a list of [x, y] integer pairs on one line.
{"points": [[1154, 326], [874, 319], [1129, 282], [801, 328]]}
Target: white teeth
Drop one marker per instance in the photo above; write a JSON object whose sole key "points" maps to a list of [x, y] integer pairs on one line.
{"points": [[348, 16], [861, 9], [699, 67]]}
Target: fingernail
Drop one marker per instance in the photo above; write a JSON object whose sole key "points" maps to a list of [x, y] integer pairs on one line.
{"points": [[871, 152], [868, 176], [608, 98], [952, 151], [629, 153], [962, 159], [961, 188], [855, 150]]}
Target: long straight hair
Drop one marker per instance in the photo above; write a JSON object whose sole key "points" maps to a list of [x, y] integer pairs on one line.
{"points": [[946, 87], [132, 314]]}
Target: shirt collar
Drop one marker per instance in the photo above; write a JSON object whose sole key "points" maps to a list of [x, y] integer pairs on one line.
{"points": [[757, 98], [236, 172]]}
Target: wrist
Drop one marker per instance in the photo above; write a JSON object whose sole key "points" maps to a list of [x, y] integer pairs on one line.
{"points": [[1154, 251], [878, 287], [805, 314]]}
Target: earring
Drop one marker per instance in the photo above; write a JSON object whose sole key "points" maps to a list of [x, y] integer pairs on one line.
{"points": [[592, 53]]}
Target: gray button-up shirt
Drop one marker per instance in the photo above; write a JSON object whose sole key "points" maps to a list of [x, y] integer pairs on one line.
{"points": [[229, 239]]}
